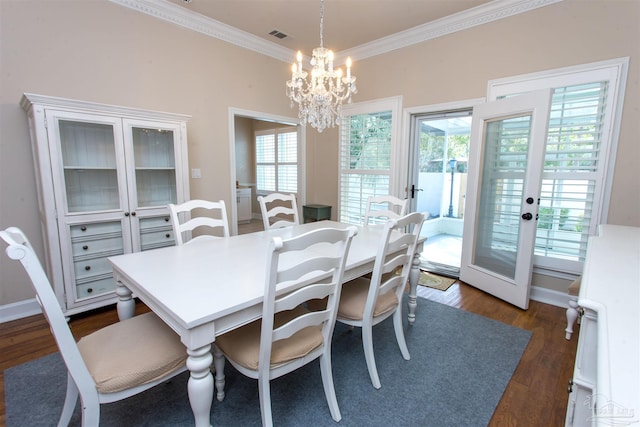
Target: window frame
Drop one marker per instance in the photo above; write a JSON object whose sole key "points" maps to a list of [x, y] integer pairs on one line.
{"points": [[397, 166], [276, 132]]}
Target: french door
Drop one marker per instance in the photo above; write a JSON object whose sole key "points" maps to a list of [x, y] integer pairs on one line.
{"points": [[503, 192]]}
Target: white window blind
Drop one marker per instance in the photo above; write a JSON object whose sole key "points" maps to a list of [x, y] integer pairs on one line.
{"points": [[570, 174], [365, 162], [579, 155], [277, 160]]}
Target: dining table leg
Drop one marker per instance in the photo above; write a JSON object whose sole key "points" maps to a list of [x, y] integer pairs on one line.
{"points": [[126, 306], [200, 384]]}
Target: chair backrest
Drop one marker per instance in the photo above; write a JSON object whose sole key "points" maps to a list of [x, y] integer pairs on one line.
{"points": [[20, 249], [382, 208], [279, 210], [184, 221], [400, 237], [323, 253]]}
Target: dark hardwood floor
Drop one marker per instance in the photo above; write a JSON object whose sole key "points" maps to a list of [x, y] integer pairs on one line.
{"points": [[535, 396]]}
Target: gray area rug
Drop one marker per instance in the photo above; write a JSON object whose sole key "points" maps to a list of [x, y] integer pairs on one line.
{"points": [[459, 368]]}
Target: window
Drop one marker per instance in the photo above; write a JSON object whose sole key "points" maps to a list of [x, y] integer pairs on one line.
{"points": [[367, 154], [277, 160], [579, 156]]}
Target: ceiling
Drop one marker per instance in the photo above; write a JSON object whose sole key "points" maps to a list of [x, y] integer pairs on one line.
{"points": [[347, 23]]}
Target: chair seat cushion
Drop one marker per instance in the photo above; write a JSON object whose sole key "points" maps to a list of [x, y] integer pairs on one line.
{"points": [[242, 345], [354, 296], [574, 287], [132, 352]]}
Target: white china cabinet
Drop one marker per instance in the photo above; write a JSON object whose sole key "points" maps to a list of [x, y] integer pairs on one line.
{"points": [[105, 175]]}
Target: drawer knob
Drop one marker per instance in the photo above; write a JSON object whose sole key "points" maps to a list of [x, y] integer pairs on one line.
{"points": [[85, 247], [88, 267], [83, 228], [167, 235], [166, 219], [89, 290]]}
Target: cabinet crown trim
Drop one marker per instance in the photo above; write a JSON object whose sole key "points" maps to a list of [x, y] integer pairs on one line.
{"points": [[29, 99]]}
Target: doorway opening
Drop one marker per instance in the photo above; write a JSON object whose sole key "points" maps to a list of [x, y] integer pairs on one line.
{"points": [[440, 144], [244, 124]]}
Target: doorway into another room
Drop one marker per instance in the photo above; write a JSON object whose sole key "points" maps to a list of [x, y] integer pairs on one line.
{"points": [[438, 181]]}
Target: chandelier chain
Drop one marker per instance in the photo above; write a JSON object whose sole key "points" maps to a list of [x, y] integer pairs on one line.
{"points": [[321, 22]]}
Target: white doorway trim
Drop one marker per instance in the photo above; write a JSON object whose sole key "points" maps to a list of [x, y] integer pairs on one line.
{"points": [[407, 138], [258, 115]]}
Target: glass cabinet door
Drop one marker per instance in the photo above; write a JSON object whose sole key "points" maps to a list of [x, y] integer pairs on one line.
{"points": [[155, 166], [89, 163]]}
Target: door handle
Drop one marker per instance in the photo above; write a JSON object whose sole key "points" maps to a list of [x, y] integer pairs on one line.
{"points": [[527, 216], [413, 191]]}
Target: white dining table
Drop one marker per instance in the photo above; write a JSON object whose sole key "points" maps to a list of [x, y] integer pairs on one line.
{"points": [[211, 286]]}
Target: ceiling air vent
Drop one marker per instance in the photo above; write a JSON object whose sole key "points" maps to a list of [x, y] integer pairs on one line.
{"points": [[279, 34]]}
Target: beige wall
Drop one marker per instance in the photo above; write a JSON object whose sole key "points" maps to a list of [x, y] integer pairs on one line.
{"points": [[458, 67], [102, 52]]}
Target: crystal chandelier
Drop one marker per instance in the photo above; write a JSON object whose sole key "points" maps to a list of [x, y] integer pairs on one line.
{"points": [[320, 98]]}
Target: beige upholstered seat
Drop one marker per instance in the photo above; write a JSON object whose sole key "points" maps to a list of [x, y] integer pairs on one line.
{"points": [[279, 210], [289, 336], [382, 208], [365, 302], [185, 222], [111, 364]]}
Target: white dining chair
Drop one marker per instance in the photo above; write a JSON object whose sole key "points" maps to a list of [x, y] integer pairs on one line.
{"points": [[111, 364], [279, 210], [366, 302], [381, 208], [185, 221], [289, 336]]}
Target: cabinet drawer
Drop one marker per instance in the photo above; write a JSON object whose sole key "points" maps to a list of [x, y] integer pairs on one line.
{"points": [[95, 287], [580, 408], [94, 230], [93, 247], [155, 222], [243, 192], [156, 239], [586, 354], [90, 268]]}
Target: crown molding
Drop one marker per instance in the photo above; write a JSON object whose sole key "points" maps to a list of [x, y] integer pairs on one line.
{"points": [[493, 11], [167, 11]]}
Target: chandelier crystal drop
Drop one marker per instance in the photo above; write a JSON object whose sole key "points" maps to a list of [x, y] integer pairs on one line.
{"points": [[320, 98]]}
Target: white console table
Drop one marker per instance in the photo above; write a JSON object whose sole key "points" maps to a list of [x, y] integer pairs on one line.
{"points": [[605, 389]]}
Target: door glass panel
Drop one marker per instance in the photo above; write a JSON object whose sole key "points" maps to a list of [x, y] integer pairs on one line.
{"points": [[502, 187], [155, 166], [89, 162]]}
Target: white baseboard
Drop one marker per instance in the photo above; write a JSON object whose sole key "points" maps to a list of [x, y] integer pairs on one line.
{"points": [[30, 307], [549, 296], [19, 310]]}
